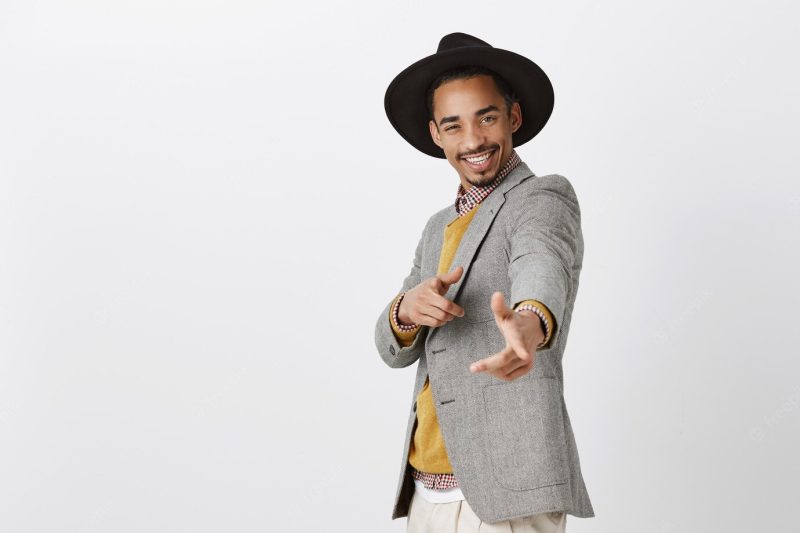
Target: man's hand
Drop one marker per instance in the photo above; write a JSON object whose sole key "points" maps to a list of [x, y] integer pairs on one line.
{"points": [[522, 331], [424, 304]]}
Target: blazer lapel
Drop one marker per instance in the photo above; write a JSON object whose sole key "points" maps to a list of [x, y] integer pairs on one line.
{"points": [[479, 225]]}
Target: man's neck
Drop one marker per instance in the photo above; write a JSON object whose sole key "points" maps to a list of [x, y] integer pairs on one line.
{"points": [[466, 199], [467, 185]]}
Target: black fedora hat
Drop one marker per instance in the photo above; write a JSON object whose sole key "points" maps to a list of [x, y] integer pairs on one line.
{"points": [[405, 99]]}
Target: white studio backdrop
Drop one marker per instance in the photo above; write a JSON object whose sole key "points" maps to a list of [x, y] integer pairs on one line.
{"points": [[203, 209]]}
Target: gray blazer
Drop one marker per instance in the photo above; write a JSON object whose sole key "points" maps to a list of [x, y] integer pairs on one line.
{"points": [[510, 443]]}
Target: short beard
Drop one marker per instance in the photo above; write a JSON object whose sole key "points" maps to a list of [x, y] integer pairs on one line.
{"points": [[484, 182]]}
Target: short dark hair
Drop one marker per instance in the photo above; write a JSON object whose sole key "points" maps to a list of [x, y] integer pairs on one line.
{"points": [[470, 71]]}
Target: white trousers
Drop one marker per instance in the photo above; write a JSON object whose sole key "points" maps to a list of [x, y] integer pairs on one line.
{"points": [[458, 517]]}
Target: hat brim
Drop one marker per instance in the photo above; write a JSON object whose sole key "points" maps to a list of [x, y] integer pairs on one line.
{"points": [[405, 97]]}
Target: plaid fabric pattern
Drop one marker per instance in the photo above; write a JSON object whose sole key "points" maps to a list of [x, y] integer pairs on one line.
{"points": [[435, 481], [465, 201]]}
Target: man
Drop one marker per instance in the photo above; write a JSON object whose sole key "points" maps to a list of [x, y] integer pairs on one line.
{"points": [[488, 439]]}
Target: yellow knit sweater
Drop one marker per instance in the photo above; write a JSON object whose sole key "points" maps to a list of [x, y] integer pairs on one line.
{"points": [[427, 452]]}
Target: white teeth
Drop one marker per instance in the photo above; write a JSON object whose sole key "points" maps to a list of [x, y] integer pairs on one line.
{"points": [[478, 160]]}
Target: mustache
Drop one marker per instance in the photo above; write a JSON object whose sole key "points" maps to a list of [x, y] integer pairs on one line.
{"points": [[479, 151]]}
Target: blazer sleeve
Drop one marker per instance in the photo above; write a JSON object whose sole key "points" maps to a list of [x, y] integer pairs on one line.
{"points": [[544, 247], [393, 352]]}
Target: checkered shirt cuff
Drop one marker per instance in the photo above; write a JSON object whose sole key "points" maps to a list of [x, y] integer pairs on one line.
{"points": [[541, 316], [396, 316]]}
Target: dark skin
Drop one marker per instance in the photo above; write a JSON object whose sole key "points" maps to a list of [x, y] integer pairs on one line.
{"points": [[470, 118]]}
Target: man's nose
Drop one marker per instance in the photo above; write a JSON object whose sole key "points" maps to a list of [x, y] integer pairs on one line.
{"points": [[474, 138]]}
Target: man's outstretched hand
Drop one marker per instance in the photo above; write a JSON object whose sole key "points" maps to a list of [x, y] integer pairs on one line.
{"points": [[425, 305], [522, 331]]}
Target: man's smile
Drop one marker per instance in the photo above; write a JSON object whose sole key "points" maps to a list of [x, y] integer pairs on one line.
{"points": [[480, 162]]}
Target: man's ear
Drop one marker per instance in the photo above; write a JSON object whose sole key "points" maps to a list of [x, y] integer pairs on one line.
{"points": [[435, 133], [516, 117]]}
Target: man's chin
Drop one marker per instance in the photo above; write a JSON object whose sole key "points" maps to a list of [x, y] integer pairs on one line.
{"points": [[481, 180]]}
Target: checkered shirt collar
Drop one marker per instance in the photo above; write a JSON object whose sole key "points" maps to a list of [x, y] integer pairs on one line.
{"points": [[466, 200]]}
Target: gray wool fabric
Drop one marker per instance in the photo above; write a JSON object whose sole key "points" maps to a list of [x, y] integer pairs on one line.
{"points": [[510, 443]]}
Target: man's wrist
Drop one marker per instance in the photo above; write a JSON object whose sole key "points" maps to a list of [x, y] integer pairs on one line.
{"points": [[532, 310], [396, 316]]}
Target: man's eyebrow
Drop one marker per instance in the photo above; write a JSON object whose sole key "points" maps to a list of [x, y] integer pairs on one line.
{"points": [[479, 112]]}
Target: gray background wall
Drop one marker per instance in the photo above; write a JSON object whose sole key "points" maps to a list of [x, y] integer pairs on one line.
{"points": [[203, 209]]}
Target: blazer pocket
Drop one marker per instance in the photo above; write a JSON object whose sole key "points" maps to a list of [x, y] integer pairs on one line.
{"points": [[524, 433]]}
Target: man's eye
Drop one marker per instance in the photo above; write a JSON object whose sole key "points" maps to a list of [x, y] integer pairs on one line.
{"points": [[450, 128], [489, 117]]}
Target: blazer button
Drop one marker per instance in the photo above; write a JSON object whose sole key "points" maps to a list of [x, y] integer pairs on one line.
{"points": [[391, 349]]}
